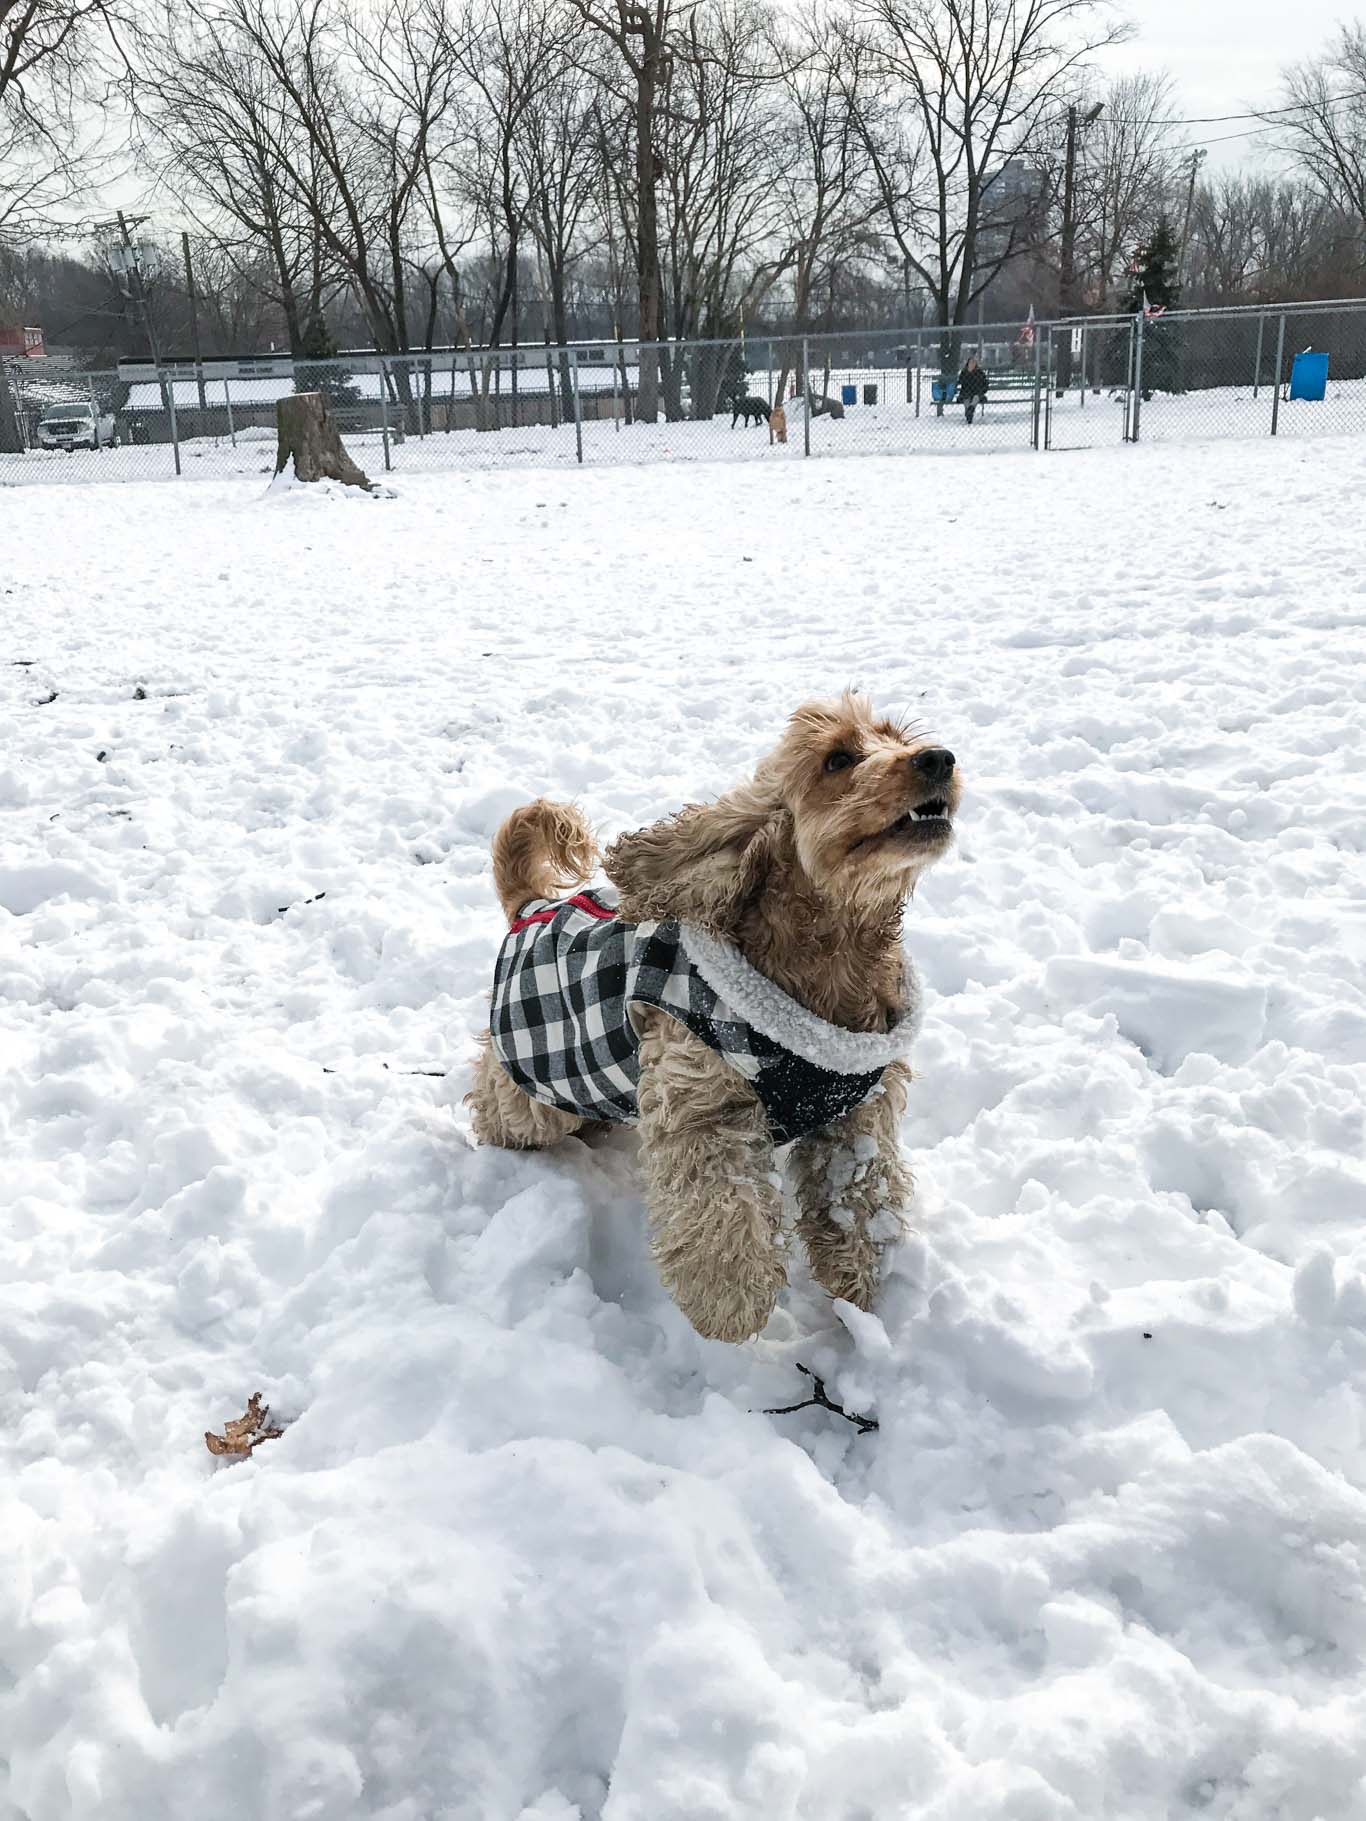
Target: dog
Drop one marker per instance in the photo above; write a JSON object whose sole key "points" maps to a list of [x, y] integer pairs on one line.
{"points": [[746, 989], [777, 424], [749, 408]]}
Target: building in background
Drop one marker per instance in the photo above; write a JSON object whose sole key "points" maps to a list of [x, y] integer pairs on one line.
{"points": [[1010, 239], [21, 344]]}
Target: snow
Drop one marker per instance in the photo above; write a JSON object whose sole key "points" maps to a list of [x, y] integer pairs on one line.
{"points": [[528, 1549]]}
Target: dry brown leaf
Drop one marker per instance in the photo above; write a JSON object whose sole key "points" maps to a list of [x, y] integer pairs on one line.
{"points": [[243, 1433]]}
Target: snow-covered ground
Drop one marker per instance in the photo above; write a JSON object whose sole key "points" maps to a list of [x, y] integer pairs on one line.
{"points": [[528, 1549]]}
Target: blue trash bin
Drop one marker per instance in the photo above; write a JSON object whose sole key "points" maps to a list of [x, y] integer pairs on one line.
{"points": [[848, 395], [1309, 376]]}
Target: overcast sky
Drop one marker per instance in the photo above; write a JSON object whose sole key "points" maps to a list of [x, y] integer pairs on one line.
{"points": [[1226, 55]]}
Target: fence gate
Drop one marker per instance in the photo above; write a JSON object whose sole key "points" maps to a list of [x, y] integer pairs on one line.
{"points": [[1088, 390]]}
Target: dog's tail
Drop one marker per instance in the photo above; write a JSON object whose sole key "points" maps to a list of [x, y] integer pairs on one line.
{"points": [[542, 850]]}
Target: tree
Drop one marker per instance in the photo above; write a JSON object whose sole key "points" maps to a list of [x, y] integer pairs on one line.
{"points": [[1126, 168], [1155, 268], [641, 32], [209, 109], [957, 92], [1326, 132], [1155, 287], [559, 152], [824, 206], [332, 381], [57, 58]]}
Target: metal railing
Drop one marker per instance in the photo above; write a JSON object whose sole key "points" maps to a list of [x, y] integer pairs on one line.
{"points": [[1180, 376]]}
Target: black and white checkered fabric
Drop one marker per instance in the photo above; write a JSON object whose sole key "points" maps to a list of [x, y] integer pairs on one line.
{"points": [[571, 973]]}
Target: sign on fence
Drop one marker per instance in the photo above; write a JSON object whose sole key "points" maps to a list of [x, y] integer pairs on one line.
{"points": [[266, 366]]}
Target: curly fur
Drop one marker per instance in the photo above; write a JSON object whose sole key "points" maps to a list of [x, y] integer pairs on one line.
{"points": [[806, 868], [541, 850]]}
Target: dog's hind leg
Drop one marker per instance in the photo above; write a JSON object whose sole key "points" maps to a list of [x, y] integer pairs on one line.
{"points": [[711, 1189], [852, 1187], [502, 1114]]}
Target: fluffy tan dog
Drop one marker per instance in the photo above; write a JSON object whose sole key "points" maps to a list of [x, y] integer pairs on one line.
{"points": [[761, 996]]}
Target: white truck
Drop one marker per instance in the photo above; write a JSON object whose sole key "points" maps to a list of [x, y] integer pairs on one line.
{"points": [[80, 425]]}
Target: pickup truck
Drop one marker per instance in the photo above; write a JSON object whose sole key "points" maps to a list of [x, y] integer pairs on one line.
{"points": [[77, 426]]}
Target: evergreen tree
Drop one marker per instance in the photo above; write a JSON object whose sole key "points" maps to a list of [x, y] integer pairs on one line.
{"points": [[319, 344], [1155, 270], [1156, 286]]}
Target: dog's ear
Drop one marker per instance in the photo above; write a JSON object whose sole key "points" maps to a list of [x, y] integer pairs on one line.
{"points": [[703, 865]]}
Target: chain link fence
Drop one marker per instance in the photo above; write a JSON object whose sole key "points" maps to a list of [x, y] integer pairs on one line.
{"points": [[1178, 376]]}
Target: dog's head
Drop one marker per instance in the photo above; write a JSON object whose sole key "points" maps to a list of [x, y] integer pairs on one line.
{"points": [[857, 806]]}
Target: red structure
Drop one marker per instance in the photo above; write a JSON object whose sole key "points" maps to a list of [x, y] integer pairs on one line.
{"points": [[21, 344]]}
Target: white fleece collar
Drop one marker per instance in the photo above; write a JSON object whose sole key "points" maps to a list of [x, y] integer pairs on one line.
{"points": [[758, 1002]]}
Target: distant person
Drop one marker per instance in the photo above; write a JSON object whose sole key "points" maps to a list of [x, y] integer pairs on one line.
{"points": [[972, 387]]}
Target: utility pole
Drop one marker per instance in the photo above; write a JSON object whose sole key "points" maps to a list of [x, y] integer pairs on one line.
{"points": [[194, 328], [1067, 251], [11, 436], [1198, 157], [138, 291]]}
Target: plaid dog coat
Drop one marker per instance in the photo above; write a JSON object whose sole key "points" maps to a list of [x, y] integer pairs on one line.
{"points": [[571, 974]]}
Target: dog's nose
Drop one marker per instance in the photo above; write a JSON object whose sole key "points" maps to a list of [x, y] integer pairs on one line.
{"points": [[935, 764]]}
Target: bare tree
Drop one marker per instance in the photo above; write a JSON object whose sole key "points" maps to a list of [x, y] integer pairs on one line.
{"points": [[559, 150], [57, 58], [720, 138], [1126, 169], [959, 89], [1263, 240], [823, 161], [642, 34], [209, 109], [1326, 134]]}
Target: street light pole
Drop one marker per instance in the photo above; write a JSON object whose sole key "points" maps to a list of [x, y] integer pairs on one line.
{"points": [[139, 295], [1198, 157], [1067, 251]]}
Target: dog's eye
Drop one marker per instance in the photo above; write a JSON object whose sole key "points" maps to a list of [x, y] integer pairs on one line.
{"points": [[841, 761]]}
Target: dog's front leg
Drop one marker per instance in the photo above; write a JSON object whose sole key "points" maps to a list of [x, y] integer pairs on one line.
{"points": [[711, 1187], [852, 1186]]}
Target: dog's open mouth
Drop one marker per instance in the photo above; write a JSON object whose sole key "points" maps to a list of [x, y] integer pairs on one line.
{"points": [[926, 822]]}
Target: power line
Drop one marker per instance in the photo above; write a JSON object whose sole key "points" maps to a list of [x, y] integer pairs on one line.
{"points": [[1265, 113]]}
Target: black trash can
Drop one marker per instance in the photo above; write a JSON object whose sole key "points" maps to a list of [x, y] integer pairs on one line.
{"points": [[870, 395]]}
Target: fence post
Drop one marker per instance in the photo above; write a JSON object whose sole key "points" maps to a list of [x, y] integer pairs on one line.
{"points": [[616, 411], [384, 412], [1138, 378], [168, 399], [1048, 393], [919, 367], [806, 386], [1280, 368], [1257, 374], [1084, 349], [578, 411], [232, 428], [1038, 379]]}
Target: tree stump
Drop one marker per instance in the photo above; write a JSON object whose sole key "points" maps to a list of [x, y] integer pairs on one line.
{"points": [[307, 432]]}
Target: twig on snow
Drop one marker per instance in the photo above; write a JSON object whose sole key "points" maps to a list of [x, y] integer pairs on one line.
{"points": [[818, 1399]]}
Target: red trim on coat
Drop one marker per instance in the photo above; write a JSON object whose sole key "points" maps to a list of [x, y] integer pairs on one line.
{"points": [[580, 901]]}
